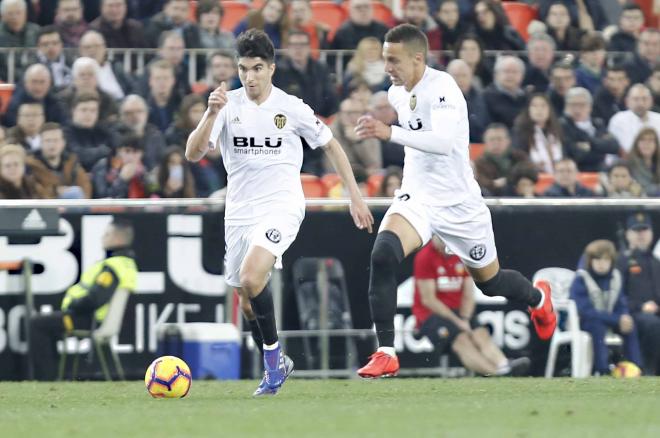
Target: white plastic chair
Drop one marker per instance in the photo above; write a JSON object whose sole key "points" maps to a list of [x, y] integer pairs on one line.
{"points": [[100, 337], [560, 280]]}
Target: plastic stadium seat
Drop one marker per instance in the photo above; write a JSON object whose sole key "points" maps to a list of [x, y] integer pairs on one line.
{"points": [[234, 13], [330, 180], [374, 182], [329, 13], [6, 91], [590, 180], [199, 87], [545, 181], [312, 186], [520, 15], [382, 12], [476, 150]]}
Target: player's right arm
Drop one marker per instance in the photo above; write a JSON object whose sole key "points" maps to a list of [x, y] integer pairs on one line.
{"points": [[198, 142]]}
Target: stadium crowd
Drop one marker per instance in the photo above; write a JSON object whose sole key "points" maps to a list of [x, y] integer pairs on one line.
{"points": [[568, 105]]}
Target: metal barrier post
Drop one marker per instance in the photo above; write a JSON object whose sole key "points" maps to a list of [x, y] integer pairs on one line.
{"points": [[324, 339], [29, 307]]}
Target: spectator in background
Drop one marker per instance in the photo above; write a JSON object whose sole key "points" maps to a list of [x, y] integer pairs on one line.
{"points": [[631, 23], [470, 50], [50, 52], [505, 98], [187, 117], [360, 24], [27, 131], [647, 56], [537, 132], [15, 30], [221, 67], [653, 83], [15, 183], [54, 157], [620, 183], [172, 178], [118, 30], [162, 99], [70, 21], [444, 306], [625, 125], [36, 87], [381, 109], [558, 21], [591, 67], [122, 174], [586, 139], [493, 167], [172, 49], [211, 36], [174, 17], [85, 80], [358, 89], [339, 190], [368, 63], [522, 180], [85, 137], [416, 12], [111, 77], [588, 15], [476, 105], [562, 79], [566, 183], [134, 114], [391, 182], [601, 303], [492, 27], [300, 16], [272, 18], [299, 74], [610, 97], [641, 281], [541, 55], [451, 27], [360, 153], [644, 161]]}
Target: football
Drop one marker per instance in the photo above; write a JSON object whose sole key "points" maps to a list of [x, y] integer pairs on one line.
{"points": [[168, 377], [625, 369]]}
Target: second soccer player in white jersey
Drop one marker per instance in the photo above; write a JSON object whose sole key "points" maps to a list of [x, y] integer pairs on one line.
{"points": [[258, 129], [439, 195]]}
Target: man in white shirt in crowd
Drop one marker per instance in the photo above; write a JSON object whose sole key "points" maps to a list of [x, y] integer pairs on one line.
{"points": [[625, 125]]}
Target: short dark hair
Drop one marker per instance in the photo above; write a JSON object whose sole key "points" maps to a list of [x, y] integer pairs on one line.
{"points": [[591, 42], [619, 165], [299, 32], [206, 6], [632, 7], [128, 139], [50, 126], [617, 68], [221, 53], [255, 43], [125, 227], [409, 35], [562, 65], [47, 30], [497, 125], [85, 97]]}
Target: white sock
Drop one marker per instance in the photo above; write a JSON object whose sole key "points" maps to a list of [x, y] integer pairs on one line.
{"points": [[387, 350], [540, 304], [271, 347]]}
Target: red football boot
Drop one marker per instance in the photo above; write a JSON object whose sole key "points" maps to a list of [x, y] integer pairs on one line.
{"points": [[380, 365], [544, 319]]}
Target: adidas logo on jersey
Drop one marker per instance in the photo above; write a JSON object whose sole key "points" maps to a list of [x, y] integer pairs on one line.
{"points": [[33, 221], [236, 120]]}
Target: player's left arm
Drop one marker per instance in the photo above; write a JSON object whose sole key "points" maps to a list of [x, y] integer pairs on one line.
{"points": [[467, 299], [359, 210], [446, 113]]}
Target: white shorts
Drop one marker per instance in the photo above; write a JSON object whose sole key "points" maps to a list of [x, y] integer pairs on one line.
{"points": [[275, 234], [466, 228]]}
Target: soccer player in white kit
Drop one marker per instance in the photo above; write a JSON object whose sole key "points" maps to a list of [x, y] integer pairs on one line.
{"points": [[258, 129], [438, 195]]}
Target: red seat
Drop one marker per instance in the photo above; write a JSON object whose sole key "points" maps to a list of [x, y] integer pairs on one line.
{"points": [[235, 12], [544, 182], [330, 180], [374, 182], [330, 14], [476, 150], [6, 91], [520, 15], [590, 180], [312, 186], [199, 88], [192, 11]]}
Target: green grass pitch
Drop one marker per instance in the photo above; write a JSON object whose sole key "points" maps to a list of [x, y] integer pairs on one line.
{"points": [[406, 408]]}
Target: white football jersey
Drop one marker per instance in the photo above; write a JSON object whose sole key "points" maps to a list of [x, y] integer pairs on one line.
{"points": [[262, 153], [436, 179]]}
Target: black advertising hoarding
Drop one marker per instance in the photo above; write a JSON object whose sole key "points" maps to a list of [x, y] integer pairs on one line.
{"points": [[180, 255]]}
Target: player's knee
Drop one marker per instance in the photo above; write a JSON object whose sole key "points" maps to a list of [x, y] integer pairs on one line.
{"points": [[387, 252], [251, 283], [246, 308], [460, 342], [492, 287]]}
